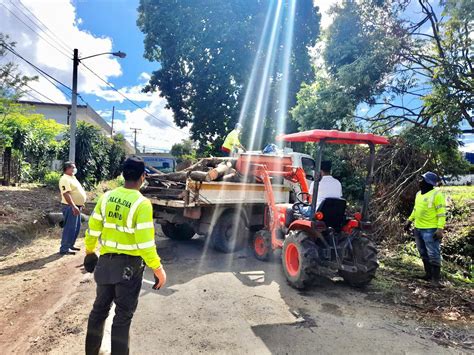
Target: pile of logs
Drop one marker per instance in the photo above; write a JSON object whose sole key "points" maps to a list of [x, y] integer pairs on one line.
{"points": [[171, 185]]}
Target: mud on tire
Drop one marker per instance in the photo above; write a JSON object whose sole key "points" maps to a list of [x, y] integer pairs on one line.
{"points": [[365, 253], [299, 256], [177, 231]]}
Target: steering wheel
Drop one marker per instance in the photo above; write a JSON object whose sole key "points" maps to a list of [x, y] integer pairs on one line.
{"points": [[303, 197]]}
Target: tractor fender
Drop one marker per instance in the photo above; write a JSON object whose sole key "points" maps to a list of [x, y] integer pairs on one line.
{"points": [[309, 227]]}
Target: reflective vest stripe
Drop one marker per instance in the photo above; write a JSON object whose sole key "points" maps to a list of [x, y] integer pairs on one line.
{"points": [[94, 233], [146, 225], [133, 209], [119, 228], [97, 216], [104, 203], [112, 244]]}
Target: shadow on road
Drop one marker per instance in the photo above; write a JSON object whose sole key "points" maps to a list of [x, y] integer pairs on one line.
{"points": [[30, 265]]}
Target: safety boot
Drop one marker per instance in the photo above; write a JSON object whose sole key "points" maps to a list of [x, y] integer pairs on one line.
{"points": [[428, 274], [436, 276]]}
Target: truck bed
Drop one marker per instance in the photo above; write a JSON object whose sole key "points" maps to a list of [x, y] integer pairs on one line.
{"points": [[199, 194]]}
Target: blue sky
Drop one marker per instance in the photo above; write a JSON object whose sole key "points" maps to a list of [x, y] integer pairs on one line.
{"points": [[95, 26]]}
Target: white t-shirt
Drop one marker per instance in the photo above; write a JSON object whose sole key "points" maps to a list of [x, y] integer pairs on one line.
{"points": [[329, 187]]}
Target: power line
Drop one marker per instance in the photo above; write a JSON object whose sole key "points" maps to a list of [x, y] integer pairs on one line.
{"points": [[59, 41], [33, 30], [34, 66], [131, 101]]}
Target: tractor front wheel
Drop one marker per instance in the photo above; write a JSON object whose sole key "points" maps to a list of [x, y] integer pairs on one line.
{"points": [[363, 253], [299, 256], [262, 245]]}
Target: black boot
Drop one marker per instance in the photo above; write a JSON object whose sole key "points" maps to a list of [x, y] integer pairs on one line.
{"points": [[436, 276], [428, 274]]}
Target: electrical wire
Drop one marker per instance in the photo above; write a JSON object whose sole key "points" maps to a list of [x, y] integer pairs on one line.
{"points": [[33, 30], [58, 40], [130, 100]]}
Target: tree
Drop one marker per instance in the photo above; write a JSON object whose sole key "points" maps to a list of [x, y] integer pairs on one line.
{"points": [[184, 151], [31, 136], [206, 50], [12, 83]]}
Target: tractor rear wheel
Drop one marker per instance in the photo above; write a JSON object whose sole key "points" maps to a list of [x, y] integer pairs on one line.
{"points": [[262, 245], [299, 256], [364, 253], [230, 233], [178, 231]]}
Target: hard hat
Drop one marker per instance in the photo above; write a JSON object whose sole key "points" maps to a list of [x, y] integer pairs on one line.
{"points": [[430, 178], [90, 261]]}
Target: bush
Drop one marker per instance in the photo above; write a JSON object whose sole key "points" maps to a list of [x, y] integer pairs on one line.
{"points": [[51, 179]]}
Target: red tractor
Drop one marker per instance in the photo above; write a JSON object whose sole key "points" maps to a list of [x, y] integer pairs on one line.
{"points": [[320, 241]]}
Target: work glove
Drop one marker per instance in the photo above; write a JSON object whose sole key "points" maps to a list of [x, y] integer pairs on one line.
{"points": [[407, 226], [439, 234], [160, 278], [90, 261]]}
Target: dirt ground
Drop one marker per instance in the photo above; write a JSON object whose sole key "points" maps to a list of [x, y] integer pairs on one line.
{"points": [[213, 303]]}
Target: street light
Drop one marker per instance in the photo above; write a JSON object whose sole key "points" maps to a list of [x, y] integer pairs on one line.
{"points": [[73, 121]]}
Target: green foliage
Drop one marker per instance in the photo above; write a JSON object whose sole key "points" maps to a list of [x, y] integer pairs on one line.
{"points": [[31, 136], [206, 50], [98, 158], [51, 180], [184, 151]]}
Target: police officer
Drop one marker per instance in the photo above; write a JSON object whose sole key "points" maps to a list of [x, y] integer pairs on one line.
{"points": [[122, 223], [429, 215]]}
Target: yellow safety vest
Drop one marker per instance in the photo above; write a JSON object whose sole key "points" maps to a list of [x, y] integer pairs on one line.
{"points": [[232, 140], [429, 210], [122, 223]]}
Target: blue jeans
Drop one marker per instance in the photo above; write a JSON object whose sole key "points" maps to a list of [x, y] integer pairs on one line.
{"points": [[72, 226], [428, 247]]}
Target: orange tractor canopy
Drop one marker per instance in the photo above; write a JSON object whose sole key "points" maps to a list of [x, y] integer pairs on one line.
{"points": [[315, 239]]}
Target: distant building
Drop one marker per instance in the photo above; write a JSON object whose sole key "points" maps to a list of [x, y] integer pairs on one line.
{"points": [[61, 113]]}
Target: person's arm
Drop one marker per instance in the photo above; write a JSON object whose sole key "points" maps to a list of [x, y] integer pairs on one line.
{"points": [[75, 210], [145, 238], [65, 187], [410, 219], [94, 231], [440, 207]]}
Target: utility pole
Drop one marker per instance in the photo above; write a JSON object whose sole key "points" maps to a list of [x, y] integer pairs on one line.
{"points": [[135, 138], [143, 149], [73, 122], [112, 126]]}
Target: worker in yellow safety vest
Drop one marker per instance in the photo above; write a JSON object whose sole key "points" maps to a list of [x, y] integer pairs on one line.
{"points": [[429, 216], [122, 223], [232, 141]]}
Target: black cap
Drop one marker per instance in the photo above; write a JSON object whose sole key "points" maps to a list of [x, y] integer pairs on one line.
{"points": [[134, 163], [90, 261], [326, 166]]}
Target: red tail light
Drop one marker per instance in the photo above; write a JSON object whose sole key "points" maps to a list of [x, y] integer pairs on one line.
{"points": [[319, 216]]}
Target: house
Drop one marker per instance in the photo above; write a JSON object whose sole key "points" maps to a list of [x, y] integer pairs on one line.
{"points": [[61, 113]]}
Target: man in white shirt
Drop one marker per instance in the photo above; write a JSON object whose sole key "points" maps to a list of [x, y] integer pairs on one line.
{"points": [[329, 187]]}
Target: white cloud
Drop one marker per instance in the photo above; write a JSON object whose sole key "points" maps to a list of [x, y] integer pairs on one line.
{"points": [[60, 17], [133, 93], [155, 133]]}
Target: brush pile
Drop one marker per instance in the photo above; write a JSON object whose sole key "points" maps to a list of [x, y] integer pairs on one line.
{"points": [[172, 185]]}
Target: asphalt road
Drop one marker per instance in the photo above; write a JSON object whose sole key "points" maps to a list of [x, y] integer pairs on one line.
{"points": [[234, 304]]}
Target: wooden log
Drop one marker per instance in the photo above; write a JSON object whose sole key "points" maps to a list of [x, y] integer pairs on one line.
{"points": [[180, 176], [232, 177], [198, 175], [219, 171]]}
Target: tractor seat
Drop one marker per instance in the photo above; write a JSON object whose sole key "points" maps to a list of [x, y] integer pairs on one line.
{"points": [[334, 212]]}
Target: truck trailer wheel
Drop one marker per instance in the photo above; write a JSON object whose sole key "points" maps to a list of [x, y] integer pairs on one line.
{"points": [[364, 253], [262, 245], [299, 256], [230, 233], [178, 231]]}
